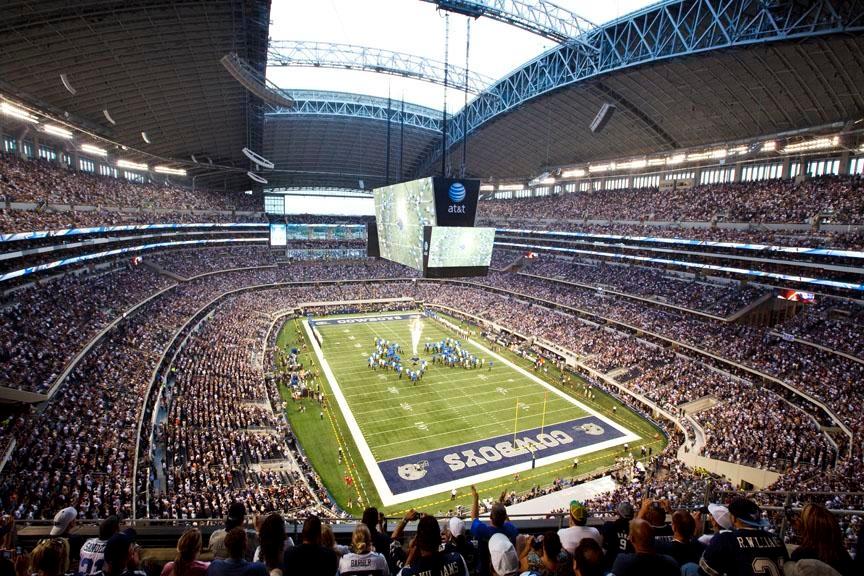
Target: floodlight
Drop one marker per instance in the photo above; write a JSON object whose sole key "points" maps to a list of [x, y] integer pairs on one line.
{"points": [[57, 131], [131, 165], [95, 150], [169, 170], [574, 173], [18, 113]]}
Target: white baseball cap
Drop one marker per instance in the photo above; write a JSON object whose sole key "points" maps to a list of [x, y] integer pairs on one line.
{"points": [[457, 526], [62, 520], [502, 555], [721, 515]]}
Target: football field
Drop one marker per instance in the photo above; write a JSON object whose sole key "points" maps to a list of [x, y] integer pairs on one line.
{"points": [[455, 426]]}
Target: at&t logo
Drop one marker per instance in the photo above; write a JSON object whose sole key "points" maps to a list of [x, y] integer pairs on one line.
{"points": [[456, 193]]}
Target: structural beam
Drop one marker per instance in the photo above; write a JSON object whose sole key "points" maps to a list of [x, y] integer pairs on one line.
{"points": [[669, 29], [538, 17], [325, 103], [368, 59]]}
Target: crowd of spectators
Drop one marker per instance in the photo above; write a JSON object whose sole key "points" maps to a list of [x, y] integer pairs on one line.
{"points": [[12, 221], [193, 262], [838, 198], [43, 326], [688, 292], [41, 180]]}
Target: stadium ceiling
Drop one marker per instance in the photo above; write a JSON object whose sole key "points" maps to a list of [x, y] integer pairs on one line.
{"points": [[369, 59], [154, 65], [682, 73], [339, 139]]}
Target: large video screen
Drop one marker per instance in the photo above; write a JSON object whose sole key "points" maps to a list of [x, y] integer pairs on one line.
{"points": [[460, 247], [278, 234], [401, 212]]}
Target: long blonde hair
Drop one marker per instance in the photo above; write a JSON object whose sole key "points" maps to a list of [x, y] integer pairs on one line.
{"points": [[361, 539]]}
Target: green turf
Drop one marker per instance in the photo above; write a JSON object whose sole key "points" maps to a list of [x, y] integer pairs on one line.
{"points": [[449, 406], [321, 439]]}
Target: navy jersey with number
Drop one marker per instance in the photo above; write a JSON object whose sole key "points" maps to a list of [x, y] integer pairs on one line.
{"points": [[744, 553]]}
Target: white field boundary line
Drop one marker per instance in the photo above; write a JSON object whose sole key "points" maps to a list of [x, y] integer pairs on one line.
{"points": [[384, 492]]}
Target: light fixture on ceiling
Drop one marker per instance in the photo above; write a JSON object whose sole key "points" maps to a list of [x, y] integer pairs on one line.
{"points": [[57, 131], [18, 113], [573, 173], [132, 165], [68, 85], [511, 187], [145, 138], [256, 177], [168, 170], [108, 116], [815, 144], [487, 187], [769, 146], [258, 159], [95, 150]]}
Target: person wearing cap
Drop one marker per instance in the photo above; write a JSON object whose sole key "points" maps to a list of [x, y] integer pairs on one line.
{"points": [[644, 560], [455, 540], [570, 537], [93, 551], [61, 530], [747, 549], [720, 520], [615, 533], [483, 532], [503, 559], [425, 555], [236, 517]]}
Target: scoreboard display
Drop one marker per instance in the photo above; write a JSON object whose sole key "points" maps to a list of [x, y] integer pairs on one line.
{"points": [[428, 225]]}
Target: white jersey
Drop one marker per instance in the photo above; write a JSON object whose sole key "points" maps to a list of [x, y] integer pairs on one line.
{"points": [[369, 564], [92, 555]]}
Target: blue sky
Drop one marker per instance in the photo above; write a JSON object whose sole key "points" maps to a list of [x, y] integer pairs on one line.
{"points": [[414, 27]]}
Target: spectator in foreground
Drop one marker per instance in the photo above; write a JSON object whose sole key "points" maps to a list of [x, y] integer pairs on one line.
{"points": [[379, 540], [588, 559], [644, 560], [425, 555], [363, 560], [483, 533], [186, 561], [236, 565], [544, 556], [47, 558], [720, 520], [570, 537], [236, 517], [683, 548], [821, 539], [328, 540], [455, 540], [93, 551], [272, 537], [615, 533], [310, 558], [747, 549], [502, 556], [119, 558]]}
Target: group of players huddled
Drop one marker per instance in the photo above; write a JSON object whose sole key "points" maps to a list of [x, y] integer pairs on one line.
{"points": [[448, 352], [387, 356]]}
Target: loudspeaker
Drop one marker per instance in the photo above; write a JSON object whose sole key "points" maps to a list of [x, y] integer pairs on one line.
{"points": [[603, 116]]}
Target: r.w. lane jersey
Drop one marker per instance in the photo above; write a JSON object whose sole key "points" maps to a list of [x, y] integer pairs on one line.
{"points": [[747, 552]]}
